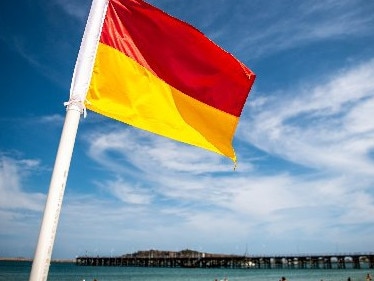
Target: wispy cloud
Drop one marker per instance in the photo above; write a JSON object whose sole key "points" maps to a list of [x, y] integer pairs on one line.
{"points": [[279, 28], [127, 192], [317, 125], [50, 119], [19, 209], [75, 9], [12, 173]]}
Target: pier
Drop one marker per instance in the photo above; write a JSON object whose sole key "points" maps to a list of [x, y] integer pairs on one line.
{"points": [[194, 259]]}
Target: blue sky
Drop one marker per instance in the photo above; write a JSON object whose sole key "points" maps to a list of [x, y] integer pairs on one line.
{"points": [[305, 142]]}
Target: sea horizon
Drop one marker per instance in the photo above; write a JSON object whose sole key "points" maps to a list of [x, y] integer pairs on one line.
{"points": [[65, 271]]}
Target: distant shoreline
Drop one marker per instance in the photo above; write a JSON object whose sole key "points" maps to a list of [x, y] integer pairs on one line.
{"points": [[30, 259]]}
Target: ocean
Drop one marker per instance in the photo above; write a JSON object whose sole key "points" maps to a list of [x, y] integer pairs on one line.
{"points": [[20, 271]]}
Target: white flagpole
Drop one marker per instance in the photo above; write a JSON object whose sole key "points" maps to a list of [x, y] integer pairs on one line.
{"points": [[42, 259], [75, 107]]}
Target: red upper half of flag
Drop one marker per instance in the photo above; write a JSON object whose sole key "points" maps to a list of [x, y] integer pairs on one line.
{"points": [[178, 54]]}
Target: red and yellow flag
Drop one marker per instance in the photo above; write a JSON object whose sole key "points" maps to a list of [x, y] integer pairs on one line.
{"points": [[157, 73]]}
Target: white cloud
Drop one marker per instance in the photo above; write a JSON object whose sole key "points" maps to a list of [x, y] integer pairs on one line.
{"points": [[316, 126], [146, 151], [127, 192], [19, 210], [279, 28], [75, 9], [12, 195], [356, 121], [51, 119]]}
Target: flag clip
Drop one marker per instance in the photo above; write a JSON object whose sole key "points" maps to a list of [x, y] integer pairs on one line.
{"points": [[77, 103]]}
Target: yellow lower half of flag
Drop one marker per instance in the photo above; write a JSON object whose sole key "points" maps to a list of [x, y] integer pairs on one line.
{"points": [[124, 90]]}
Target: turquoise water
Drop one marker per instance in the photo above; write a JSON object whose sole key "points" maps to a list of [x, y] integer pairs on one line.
{"points": [[20, 271]]}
